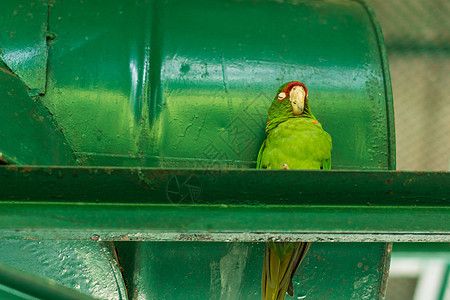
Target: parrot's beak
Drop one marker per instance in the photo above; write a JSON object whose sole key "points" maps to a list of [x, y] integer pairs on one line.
{"points": [[297, 99]]}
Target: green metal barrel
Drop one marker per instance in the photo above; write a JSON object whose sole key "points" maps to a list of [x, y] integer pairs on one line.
{"points": [[121, 120]]}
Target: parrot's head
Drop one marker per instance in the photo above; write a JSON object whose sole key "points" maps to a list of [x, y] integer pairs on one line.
{"points": [[291, 100], [296, 93]]}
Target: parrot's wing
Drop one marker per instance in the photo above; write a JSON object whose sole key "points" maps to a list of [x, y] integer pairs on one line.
{"points": [[298, 256], [259, 159], [278, 271], [326, 165]]}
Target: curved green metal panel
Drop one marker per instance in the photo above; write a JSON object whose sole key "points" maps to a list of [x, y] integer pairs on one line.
{"points": [[179, 85], [15, 283], [12, 294], [86, 266], [387, 87]]}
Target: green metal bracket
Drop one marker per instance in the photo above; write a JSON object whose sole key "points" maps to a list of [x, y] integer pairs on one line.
{"points": [[223, 205]]}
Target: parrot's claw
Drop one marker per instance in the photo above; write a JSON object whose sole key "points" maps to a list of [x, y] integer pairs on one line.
{"points": [[285, 166]]}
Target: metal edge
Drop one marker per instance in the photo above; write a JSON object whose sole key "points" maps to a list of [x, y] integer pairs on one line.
{"points": [[387, 84], [227, 237], [6, 159], [384, 270]]}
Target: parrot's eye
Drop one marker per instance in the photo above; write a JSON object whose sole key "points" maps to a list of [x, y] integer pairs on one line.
{"points": [[281, 96]]}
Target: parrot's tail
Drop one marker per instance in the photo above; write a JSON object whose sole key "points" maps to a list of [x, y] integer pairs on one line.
{"points": [[277, 275]]}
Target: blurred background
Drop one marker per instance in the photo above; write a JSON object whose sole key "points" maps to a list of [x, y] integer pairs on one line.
{"points": [[417, 36]]}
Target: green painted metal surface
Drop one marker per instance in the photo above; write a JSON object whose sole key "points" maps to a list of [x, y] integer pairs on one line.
{"points": [[12, 294], [181, 86], [28, 134], [23, 40], [233, 270], [101, 185], [209, 223], [70, 267], [164, 204], [176, 84], [33, 287]]}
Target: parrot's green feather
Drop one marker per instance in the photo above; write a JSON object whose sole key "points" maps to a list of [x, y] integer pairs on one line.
{"points": [[301, 143], [298, 142]]}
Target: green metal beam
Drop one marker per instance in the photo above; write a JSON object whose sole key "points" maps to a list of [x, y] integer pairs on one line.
{"points": [[244, 205], [231, 187]]}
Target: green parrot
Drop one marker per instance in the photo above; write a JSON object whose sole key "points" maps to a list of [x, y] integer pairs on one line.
{"points": [[294, 140]]}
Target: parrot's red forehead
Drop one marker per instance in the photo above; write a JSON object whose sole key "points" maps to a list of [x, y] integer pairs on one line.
{"points": [[291, 84]]}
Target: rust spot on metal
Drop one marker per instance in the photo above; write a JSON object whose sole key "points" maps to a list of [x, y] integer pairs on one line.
{"points": [[389, 192], [7, 72], [420, 173], [408, 181], [195, 237], [27, 169], [95, 237], [389, 181]]}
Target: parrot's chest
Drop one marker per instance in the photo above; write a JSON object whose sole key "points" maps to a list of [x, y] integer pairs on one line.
{"points": [[299, 143], [298, 133]]}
